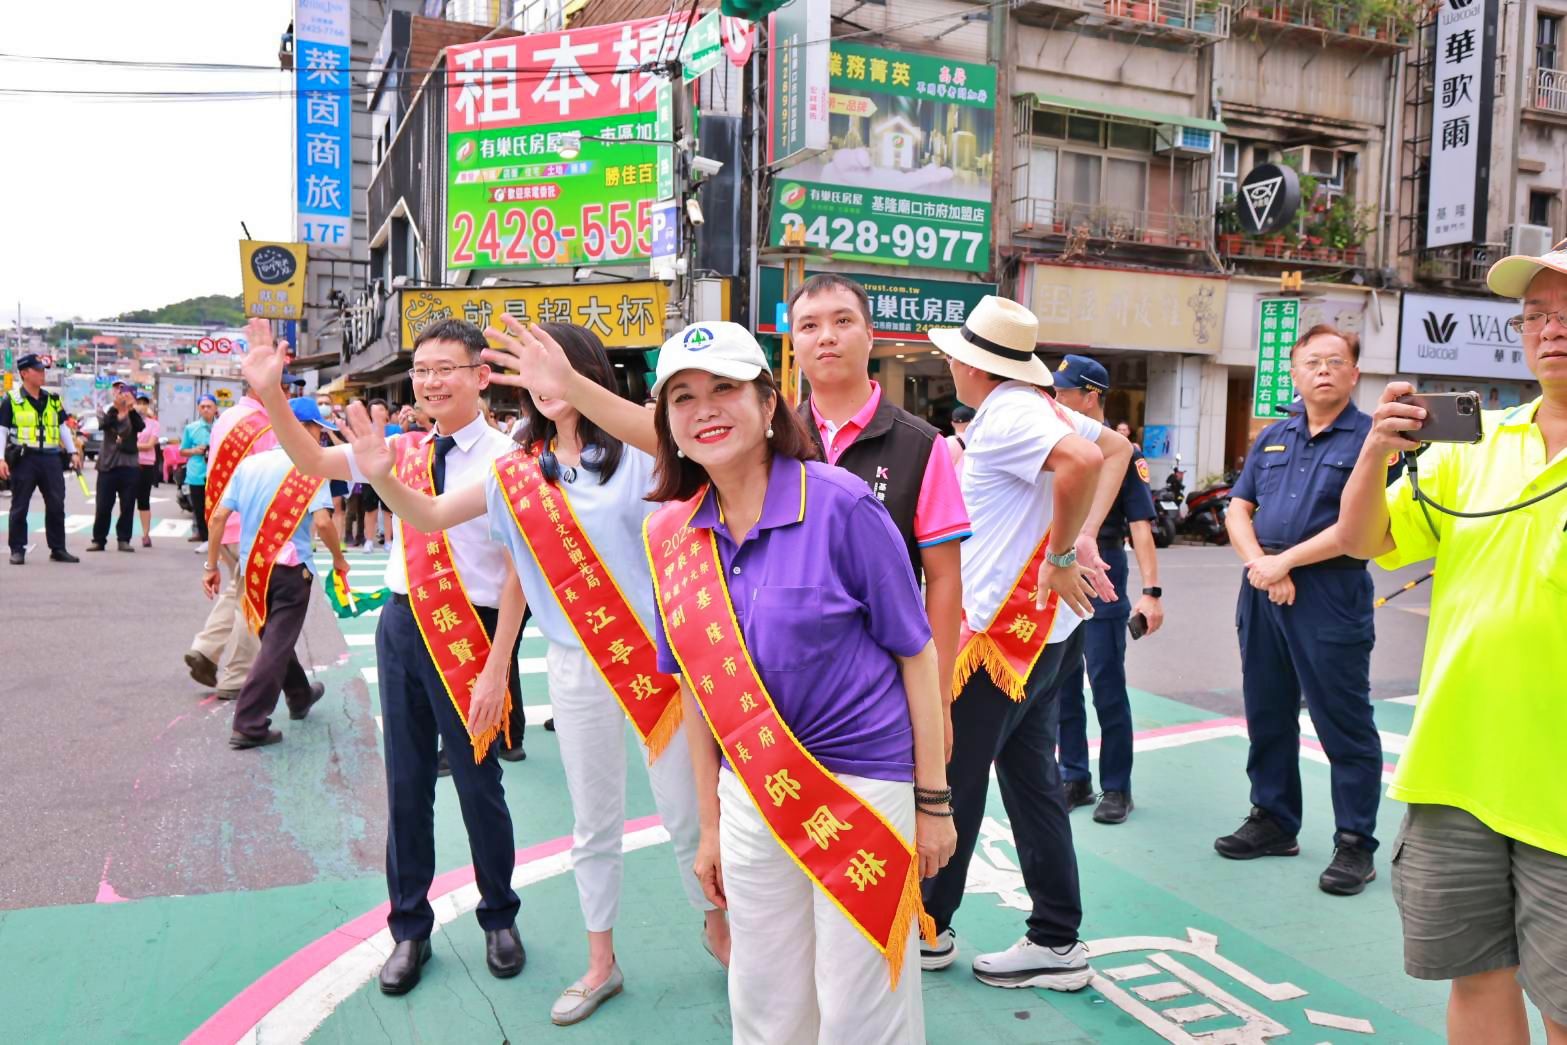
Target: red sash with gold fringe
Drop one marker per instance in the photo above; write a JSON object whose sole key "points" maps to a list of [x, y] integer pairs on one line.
{"points": [[839, 840], [236, 446], [450, 626], [1011, 646], [590, 598], [283, 517]]}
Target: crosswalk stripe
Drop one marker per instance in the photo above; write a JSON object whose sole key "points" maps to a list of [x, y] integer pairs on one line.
{"points": [[1392, 743], [1412, 699]]}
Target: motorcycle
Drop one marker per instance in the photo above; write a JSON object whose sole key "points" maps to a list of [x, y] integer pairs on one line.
{"points": [[1205, 512], [1167, 506]]}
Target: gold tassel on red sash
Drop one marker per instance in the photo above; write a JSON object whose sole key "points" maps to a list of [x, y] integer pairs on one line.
{"points": [[1011, 646], [848, 850]]}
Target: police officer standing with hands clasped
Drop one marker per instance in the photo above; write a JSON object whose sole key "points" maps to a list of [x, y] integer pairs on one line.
{"points": [[1305, 618], [32, 417], [1081, 384]]}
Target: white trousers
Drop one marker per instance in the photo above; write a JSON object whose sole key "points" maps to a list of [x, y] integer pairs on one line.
{"points": [[800, 973], [591, 729], [226, 626]]}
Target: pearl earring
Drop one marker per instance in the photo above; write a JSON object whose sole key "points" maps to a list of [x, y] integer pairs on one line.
{"points": [[769, 431], [680, 453]]}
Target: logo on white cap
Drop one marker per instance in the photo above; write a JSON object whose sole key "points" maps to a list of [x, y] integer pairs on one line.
{"points": [[698, 338]]}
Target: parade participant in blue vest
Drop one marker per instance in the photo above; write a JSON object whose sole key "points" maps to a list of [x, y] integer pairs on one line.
{"points": [[32, 434]]}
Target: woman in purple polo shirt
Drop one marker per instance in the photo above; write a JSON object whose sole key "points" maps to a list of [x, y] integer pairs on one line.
{"points": [[828, 609]]}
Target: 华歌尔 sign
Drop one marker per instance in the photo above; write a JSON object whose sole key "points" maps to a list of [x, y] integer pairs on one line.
{"points": [[900, 308], [1460, 337], [1115, 308], [907, 180], [323, 123], [273, 275], [1278, 324], [512, 199], [1463, 79], [623, 315]]}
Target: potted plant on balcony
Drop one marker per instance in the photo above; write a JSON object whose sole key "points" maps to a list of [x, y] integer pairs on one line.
{"points": [[1344, 228], [1228, 220], [1206, 17]]}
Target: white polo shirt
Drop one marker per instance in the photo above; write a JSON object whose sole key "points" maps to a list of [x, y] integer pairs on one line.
{"points": [[1008, 494], [480, 561]]}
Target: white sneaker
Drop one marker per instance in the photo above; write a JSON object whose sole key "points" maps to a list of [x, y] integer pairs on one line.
{"points": [[368, 548], [943, 954], [201, 549], [1027, 964]]}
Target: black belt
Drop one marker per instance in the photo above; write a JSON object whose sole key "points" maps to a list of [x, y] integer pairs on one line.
{"points": [[1338, 562], [398, 598]]}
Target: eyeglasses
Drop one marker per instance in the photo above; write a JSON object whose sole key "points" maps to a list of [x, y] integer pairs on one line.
{"points": [[1534, 322], [1333, 363], [444, 371]]}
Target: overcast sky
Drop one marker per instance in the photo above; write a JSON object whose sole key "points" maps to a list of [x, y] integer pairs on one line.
{"points": [[112, 206]]}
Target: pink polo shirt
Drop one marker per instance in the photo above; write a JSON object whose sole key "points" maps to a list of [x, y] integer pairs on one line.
{"points": [[221, 427], [939, 513]]}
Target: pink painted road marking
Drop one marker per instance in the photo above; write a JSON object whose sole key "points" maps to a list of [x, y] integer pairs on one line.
{"points": [[1177, 730], [231, 1022]]}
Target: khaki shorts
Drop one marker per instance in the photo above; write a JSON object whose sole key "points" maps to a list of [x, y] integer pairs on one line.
{"points": [[1474, 901]]}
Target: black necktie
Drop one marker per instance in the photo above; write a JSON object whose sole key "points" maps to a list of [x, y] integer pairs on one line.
{"points": [[443, 446]]}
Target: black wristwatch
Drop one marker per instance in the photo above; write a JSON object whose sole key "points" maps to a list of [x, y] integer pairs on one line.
{"points": [[1157, 593]]}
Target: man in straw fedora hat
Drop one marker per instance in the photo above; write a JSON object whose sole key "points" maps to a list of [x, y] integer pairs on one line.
{"points": [[1038, 481]]}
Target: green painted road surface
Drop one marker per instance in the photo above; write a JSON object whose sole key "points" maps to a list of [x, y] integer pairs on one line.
{"points": [[1187, 946]]}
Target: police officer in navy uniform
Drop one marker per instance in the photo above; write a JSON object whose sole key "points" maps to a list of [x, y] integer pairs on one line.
{"points": [[36, 444], [1081, 384], [1304, 618]]}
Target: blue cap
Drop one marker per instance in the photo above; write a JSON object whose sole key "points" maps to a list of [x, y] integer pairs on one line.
{"points": [[1082, 372], [307, 412], [207, 397], [30, 362], [394, 429]]}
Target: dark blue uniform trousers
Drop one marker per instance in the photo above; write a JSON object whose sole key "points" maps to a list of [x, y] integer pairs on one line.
{"points": [[1320, 646], [1019, 738], [1104, 654], [414, 710], [44, 472]]}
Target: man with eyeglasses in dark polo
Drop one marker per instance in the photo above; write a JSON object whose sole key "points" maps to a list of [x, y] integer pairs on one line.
{"points": [[1304, 618]]}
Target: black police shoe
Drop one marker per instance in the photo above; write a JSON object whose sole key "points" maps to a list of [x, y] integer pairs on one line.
{"points": [[515, 753], [1113, 807], [95, 546], [400, 974], [317, 691], [1260, 835], [62, 557], [1351, 869], [1078, 793], [503, 952]]}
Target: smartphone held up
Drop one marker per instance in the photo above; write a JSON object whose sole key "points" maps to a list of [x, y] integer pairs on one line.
{"points": [[1451, 417]]}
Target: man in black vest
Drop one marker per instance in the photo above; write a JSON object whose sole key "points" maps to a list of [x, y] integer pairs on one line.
{"points": [[902, 459]]}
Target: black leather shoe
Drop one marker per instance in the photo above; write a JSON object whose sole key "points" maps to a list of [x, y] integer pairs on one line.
{"points": [[317, 691], [400, 974], [62, 557], [549, 724], [1079, 793], [1260, 835], [503, 952], [18, 558], [515, 753], [127, 546], [1351, 869], [1113, 807], [95, 546], [244, 741], [202, 670]]}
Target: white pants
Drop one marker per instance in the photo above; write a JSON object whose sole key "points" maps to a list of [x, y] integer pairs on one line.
{"points": [[225, 625], [799, 971], [591, 729]]}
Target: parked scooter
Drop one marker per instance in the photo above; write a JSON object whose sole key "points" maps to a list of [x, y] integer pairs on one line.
{"points": [[1167, 506], [1205, 512]]}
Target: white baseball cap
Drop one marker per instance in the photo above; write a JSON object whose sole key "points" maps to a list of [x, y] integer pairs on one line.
{"points": [[1510, 277], [724, 349]]}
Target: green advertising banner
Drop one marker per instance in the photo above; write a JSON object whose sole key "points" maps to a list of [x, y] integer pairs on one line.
{"points": [[1277, 327], [905, 179], [900, 308]]}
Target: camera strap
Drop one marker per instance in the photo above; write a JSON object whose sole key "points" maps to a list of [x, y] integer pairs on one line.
{"points": [[1421, 498]]}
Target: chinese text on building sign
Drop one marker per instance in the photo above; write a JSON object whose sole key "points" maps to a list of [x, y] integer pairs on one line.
{"points": [[1277, 328], [323, 122], [1460, 122]]}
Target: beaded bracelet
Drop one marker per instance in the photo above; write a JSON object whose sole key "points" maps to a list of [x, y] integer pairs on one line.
{"points": [[931, 812], [930, 794]]}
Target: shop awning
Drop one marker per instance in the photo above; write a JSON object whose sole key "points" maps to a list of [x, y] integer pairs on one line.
{"points": [[1124, 112]]}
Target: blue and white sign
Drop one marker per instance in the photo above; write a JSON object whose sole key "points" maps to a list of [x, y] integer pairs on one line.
{"points": [[323, 123], [666, 230]]}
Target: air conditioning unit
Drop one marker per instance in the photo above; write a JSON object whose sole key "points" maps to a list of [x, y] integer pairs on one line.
{"points": [[1320, 163], [1532, 240], [1187, 141]]}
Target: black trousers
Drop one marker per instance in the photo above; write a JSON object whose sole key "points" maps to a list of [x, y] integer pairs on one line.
{"points": [[116, 484], [415, 710], [44, 472], [198, 510], [1020, 739], [276, 667]]}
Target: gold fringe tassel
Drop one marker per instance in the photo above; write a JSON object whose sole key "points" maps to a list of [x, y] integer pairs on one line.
{"points": [[911, 912], [981, 652], [481, 745], [664, 729]]}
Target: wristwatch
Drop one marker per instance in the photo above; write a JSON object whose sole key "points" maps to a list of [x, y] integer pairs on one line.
{"points": [[1157, 593], [1068, 558]]}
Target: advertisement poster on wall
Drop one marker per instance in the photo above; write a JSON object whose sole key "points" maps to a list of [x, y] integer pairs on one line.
{"points": [[512, 199], [906, 175]]}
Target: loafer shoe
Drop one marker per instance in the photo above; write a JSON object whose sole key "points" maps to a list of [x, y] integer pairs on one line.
{"points": [[942, 954], [579, 1001], [503, 952], [1028, 964], [1113, 807], [1260, 835], [400, 974], [244, 741], [1351, 870], [202, 669], [515, 753], [62, 557], [317, 691], [95, 546], [1078, 793]]}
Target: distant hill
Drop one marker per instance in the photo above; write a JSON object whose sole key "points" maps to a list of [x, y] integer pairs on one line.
{"points": [[221, 309]]}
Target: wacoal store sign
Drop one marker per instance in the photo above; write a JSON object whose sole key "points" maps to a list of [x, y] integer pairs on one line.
{"points": [[1115, 308]]}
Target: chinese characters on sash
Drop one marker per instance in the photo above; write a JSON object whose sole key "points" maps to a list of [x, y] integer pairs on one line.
{"points": [[234, 448], [277, 527], [1010, 647]]}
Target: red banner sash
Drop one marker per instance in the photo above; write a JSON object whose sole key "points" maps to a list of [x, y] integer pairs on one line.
{"points": [[277, 527], [591, 599], [839, 840], [236, 446], [450, 626], [1011, 646]]}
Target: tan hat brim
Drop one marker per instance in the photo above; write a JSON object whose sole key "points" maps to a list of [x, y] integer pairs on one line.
{"points": [[739, 371], [1032, 370], [1511, 276]]}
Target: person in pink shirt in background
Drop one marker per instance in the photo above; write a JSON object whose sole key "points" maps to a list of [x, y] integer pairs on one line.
{"points": [[902, 459], [147, 454]]}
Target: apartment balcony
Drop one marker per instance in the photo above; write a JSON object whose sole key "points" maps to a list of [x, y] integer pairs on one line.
{"points": [[1461, 265], [1255, 252], [1099, 228], [1329, 23], [1548, 94], [1186, 21]]}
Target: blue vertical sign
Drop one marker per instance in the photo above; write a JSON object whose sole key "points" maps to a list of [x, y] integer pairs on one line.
{"points": [[323, 122]]}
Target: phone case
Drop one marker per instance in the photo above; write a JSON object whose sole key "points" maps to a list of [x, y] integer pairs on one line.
{"points": [[1451, 417]]}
